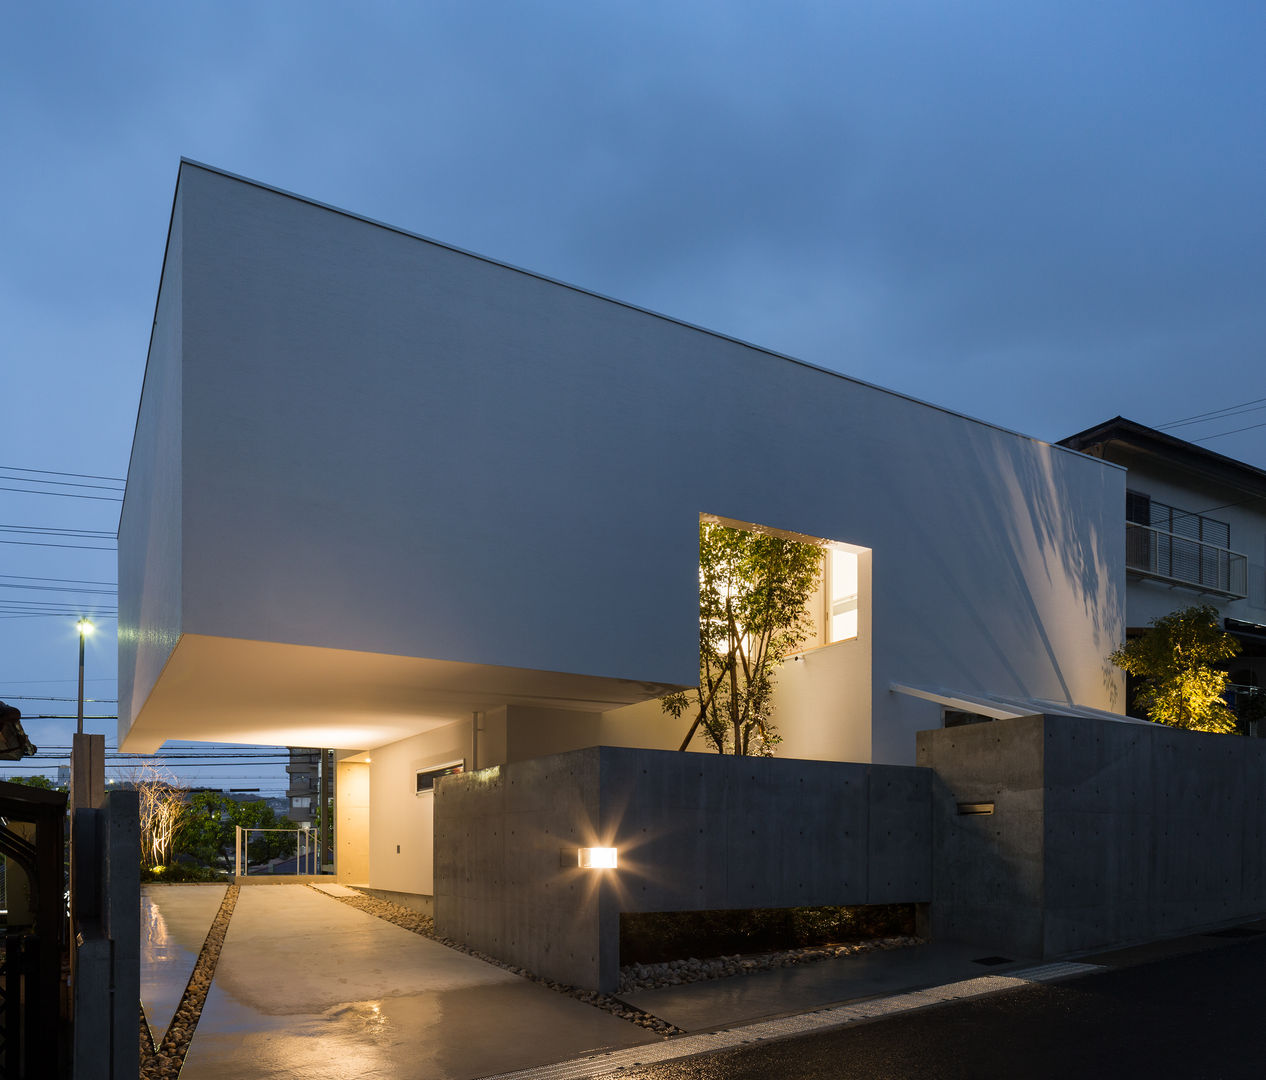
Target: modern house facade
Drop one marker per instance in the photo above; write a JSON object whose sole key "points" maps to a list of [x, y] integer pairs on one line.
{"points": [[442, 514], [1195, 525]]}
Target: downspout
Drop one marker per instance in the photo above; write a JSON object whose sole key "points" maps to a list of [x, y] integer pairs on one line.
{"points": [[476, 718]]}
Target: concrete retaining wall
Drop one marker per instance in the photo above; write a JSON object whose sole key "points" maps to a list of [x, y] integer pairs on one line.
{"points": [[1103, 834], [1100, 834], [694, 832]]}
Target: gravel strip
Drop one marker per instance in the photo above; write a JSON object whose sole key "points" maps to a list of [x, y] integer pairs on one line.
{"points": [[164, 1061], [679, 972], [425, 926]]}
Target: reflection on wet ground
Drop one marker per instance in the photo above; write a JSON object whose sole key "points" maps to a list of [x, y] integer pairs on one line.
{"points": [[307, 986], [174, 924]]}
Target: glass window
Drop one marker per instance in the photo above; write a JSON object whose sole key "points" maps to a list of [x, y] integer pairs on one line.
{"points": [[841, 594]]}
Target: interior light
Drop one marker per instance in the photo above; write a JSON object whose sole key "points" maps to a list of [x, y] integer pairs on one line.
{"points": [[596, 858]]}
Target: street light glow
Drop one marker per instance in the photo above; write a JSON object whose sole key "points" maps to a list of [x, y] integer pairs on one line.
{"points": [[85, 627]]}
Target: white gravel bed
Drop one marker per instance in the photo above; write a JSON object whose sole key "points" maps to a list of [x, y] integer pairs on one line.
{"points": [[680, 972]]}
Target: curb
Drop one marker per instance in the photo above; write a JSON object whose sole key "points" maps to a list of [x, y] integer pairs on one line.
{"points": [[684, 1046]]}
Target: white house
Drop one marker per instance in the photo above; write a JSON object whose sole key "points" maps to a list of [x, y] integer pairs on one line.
{"points": [[1195, 534], [438, 512]]}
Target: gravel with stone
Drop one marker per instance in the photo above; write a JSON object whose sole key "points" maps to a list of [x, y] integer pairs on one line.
{"points": [[163, 1062]]}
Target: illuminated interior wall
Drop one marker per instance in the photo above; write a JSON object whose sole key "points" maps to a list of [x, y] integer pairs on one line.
{"points": [[401, 822], [351, 826]]}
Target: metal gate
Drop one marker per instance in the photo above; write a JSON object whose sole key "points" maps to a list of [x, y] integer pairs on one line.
{"points": [[33, 841]]}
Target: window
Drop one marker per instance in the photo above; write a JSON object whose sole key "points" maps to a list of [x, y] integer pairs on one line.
{"points": [[841, 593], [427, 777]]}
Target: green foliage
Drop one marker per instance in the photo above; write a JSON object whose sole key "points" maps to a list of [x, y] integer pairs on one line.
{"points": [[181, 872], [209, 830], [1175, 663], [41, 782], [754, 591]]}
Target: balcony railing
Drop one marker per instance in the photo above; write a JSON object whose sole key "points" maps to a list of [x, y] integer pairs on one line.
{"points": [[1180, 560]]}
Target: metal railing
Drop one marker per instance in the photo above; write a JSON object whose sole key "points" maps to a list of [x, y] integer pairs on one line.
{"points": [[1181, 560], [306, 858]]}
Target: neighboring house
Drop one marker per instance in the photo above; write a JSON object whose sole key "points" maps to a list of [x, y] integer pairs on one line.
{"points": [[442, 514], [302, 788], [1195, 524]]}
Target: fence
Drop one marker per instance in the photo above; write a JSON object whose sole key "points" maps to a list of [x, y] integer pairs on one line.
{"points": [[306, 857]]}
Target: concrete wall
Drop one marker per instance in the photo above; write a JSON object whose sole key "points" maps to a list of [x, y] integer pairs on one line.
{"points": [[1104, 834], [393, 447], [694, 832]]}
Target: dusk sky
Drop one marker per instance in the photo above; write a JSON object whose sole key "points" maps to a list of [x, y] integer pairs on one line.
{"points": [[1041, 215]]}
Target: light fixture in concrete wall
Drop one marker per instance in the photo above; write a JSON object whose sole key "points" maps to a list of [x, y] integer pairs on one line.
{"points": [[596, 858]]}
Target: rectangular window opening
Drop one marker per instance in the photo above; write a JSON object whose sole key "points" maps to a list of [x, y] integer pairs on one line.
{"points": [[426, 777]]}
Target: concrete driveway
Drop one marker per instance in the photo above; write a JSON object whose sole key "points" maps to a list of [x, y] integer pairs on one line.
{"points": [[307, 986]]}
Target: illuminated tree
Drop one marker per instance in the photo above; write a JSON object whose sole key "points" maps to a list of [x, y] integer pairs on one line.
{"points": [[1175, 662], [754, 592], [163, 807]]}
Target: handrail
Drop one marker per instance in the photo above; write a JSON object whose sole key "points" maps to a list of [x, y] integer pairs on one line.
{"points": [[1182, 560]]}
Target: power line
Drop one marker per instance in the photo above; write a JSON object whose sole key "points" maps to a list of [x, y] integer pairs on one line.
{"points": [[69, 581], [61, 588], [41, 530], [52, 607], [33, 697], [1234, 431], [60, 615], [1213, 414], [59, 483], [58, 472], [43, 682], [45, 544], [63, 494]]}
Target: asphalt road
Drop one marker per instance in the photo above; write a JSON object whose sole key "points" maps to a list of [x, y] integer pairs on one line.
{"points": [[1201, 1015]]}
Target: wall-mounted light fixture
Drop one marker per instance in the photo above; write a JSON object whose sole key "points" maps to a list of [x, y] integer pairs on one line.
{"points": [[973, 808], [596, 858]]}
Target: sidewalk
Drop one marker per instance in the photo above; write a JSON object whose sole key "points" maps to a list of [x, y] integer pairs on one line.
{"points": [[307, 986]]}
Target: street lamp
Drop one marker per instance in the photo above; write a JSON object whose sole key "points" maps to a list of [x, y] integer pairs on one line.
{"points": [[85, 628]]}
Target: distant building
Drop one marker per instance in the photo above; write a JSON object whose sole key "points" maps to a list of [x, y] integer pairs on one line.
{"points": [[1195, 533], [302, 790]]}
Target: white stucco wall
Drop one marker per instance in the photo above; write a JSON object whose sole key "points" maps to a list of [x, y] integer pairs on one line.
{"points": [[150, 521], [401, 822], [391, 446]]}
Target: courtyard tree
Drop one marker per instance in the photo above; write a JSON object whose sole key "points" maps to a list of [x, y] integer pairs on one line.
{"points": [[754, 592], [1176, 662]]}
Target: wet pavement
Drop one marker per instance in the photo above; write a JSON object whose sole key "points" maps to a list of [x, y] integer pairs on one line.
{"points": [[174, 924], [307, 986]]}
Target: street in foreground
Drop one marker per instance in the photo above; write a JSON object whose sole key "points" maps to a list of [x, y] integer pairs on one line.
{"points": [[1192, 1016]]}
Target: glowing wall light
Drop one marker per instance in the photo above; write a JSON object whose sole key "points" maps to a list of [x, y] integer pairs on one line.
{"points": [[596, 858]]}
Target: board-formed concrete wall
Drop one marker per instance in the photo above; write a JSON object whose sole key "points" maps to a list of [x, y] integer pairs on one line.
{"points": [[694, 832], [1103, 834]]}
